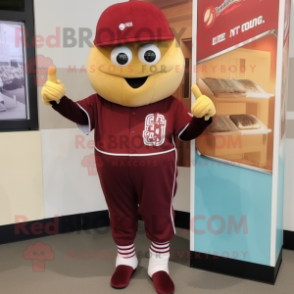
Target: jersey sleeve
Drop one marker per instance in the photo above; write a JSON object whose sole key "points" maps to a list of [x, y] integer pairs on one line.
{"points": [[81, 112], [70, 110], [89, 107], [188, 127], [182, 117], [195, 128]]}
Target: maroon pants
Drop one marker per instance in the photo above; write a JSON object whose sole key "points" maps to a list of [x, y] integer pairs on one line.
{"points": [[143, 186]]}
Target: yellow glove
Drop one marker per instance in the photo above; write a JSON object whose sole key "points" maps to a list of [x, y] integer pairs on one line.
{"points": [[53, 90], [203, 106]]}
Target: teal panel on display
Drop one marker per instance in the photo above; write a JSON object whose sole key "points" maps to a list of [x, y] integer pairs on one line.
{"points": [[280, 203], [232, 211]]}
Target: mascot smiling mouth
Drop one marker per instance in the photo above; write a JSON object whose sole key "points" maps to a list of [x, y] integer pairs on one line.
{"points": [[136, 83]]}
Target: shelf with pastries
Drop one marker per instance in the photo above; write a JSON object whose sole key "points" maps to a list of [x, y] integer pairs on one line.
{"points": [[243, 96], [240, 124], [235, 137], [232, 88]]}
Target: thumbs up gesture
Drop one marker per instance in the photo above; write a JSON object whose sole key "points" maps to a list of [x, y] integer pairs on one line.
{"points": [[203, 106], [53, 90]]}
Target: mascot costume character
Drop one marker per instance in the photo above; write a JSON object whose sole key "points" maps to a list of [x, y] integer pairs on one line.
{"points": [[134, 66]]}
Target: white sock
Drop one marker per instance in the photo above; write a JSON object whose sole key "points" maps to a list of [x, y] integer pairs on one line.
{"points": [[126, 255], [159, 258]]}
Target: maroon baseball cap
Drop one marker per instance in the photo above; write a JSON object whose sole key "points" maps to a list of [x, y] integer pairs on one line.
{"points": [[132, 21]]}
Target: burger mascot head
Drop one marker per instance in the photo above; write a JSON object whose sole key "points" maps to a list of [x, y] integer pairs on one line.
{"points": [[134, 66]]}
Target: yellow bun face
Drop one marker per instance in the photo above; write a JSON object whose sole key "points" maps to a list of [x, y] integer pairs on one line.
{"points": [[136, 74]]}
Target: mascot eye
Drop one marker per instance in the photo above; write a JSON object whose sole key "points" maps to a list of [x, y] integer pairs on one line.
{"points": [[121, 56], [149, 54]]}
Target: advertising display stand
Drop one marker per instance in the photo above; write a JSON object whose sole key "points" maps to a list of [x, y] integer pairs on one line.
{"points": [[237, 175]]}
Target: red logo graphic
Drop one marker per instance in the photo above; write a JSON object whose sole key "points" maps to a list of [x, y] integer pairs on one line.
{"points": [[209, 16], [90, 163], [211, 13], [39, 67], [154, 133], [39, 253]]}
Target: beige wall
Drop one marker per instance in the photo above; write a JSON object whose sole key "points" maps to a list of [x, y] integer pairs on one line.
{"points": [[21, 183]]}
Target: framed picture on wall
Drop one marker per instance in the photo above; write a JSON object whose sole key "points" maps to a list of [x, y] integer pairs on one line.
{"points": [[18, 92]]}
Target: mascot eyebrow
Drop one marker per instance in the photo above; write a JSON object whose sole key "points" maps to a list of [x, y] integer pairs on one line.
{"points": [[135, 119]]}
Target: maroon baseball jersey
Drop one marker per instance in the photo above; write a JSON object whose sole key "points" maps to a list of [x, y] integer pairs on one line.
{"points": [[145, 130], [129, 134]]}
